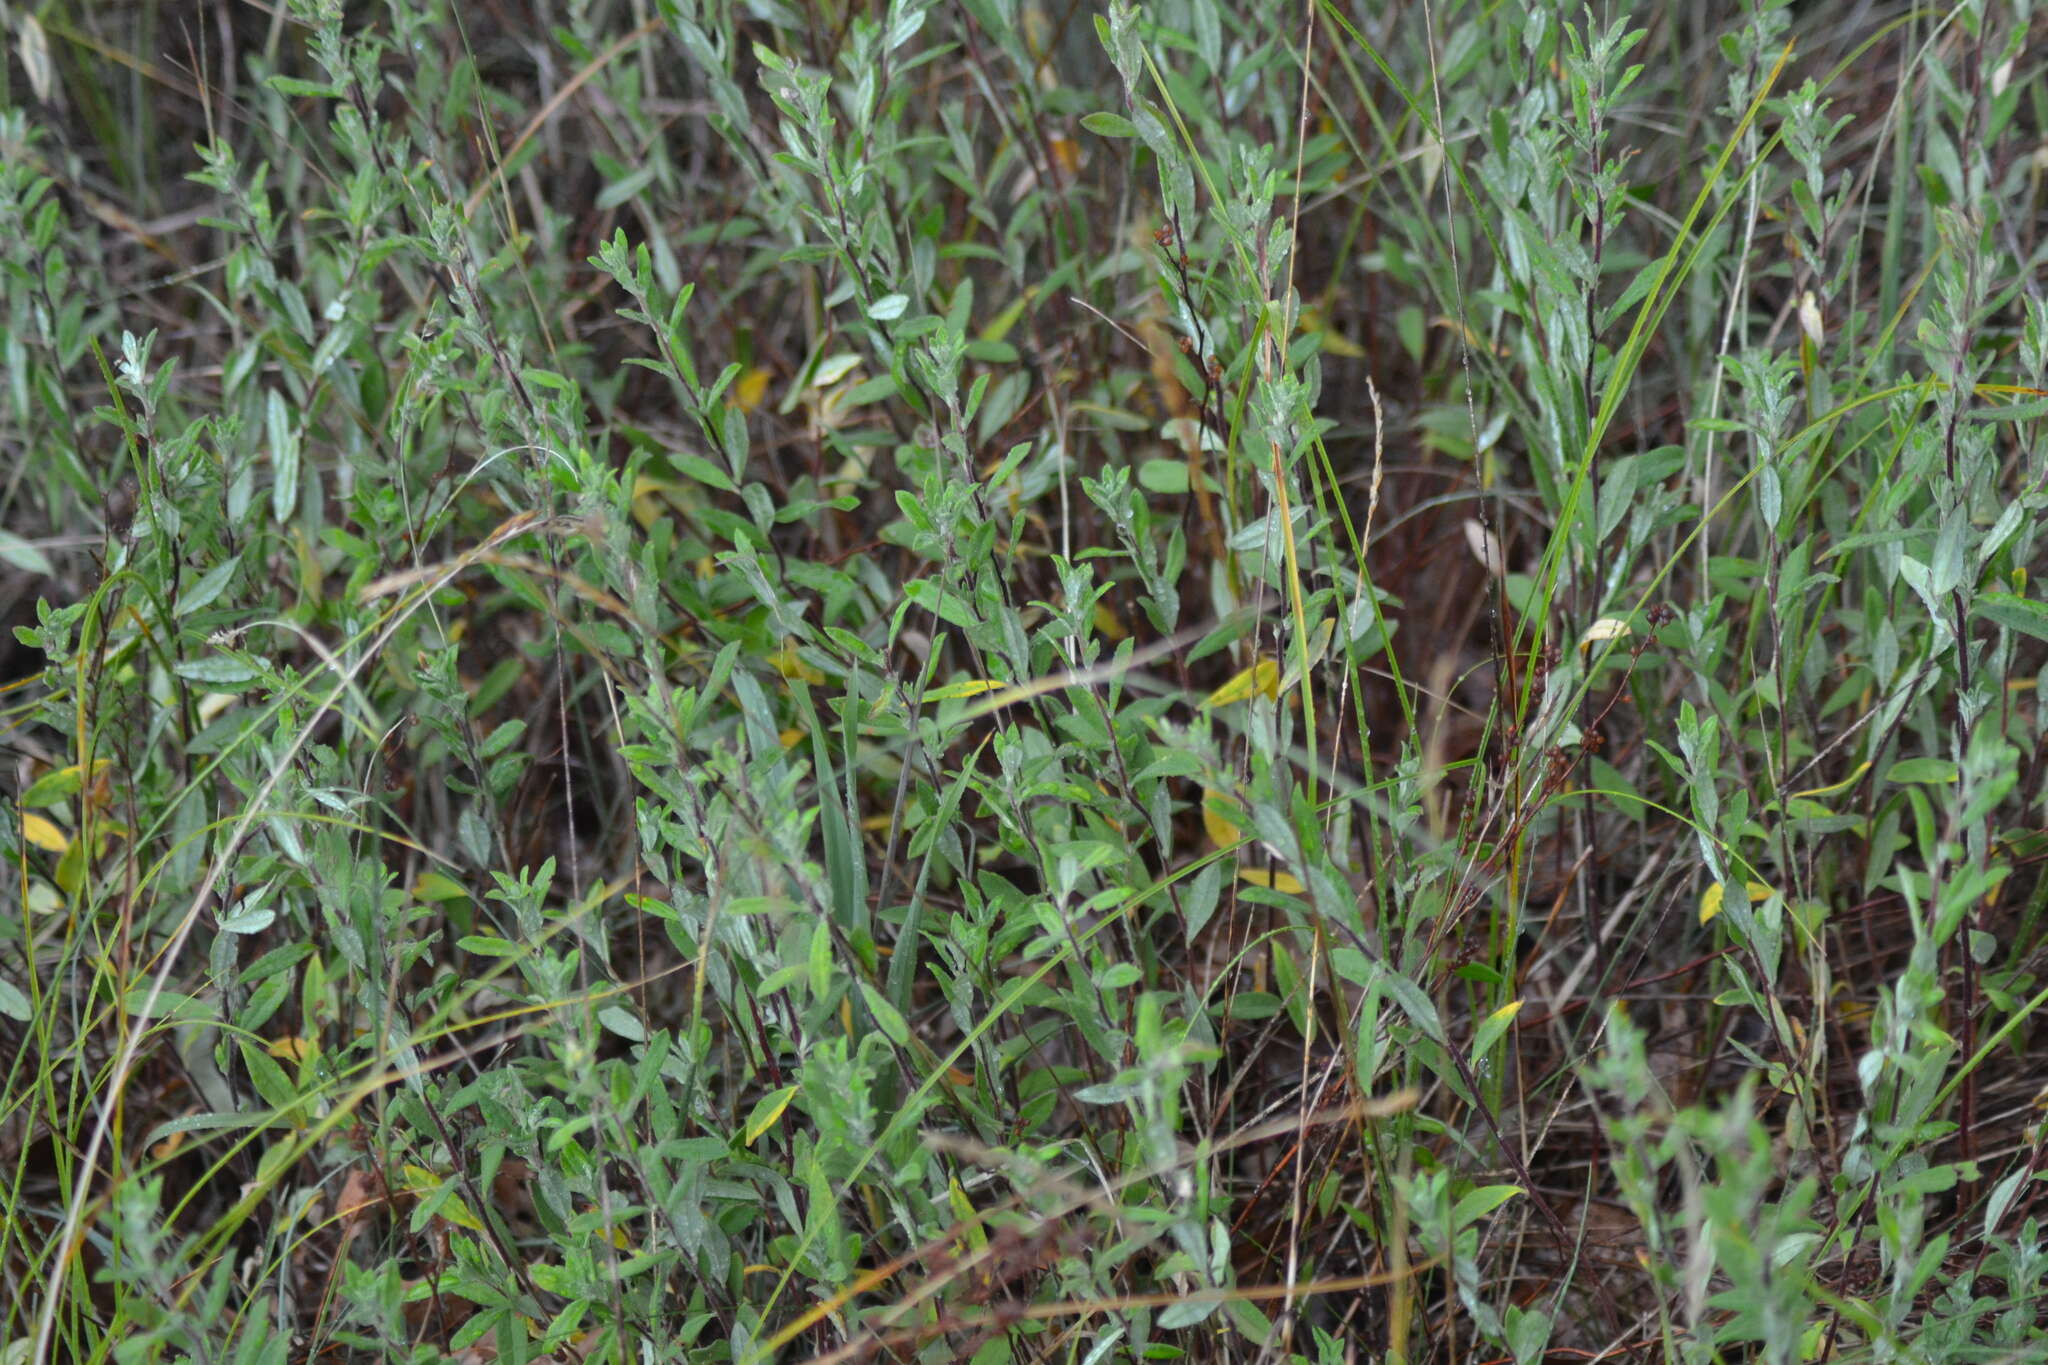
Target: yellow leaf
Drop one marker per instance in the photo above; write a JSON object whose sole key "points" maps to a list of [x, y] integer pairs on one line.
{"points": [[751, 389], [292, 1049], [1605, 629], [43, 834], [1285, 882], [791, 737], [1106, 623], [1334, 342], [648, 498], [1263, 676], [1222, 832], [1506, 1012], [1710, 902]]}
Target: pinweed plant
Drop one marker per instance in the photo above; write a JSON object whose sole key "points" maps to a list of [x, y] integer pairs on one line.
{"points": [[760, 682]]}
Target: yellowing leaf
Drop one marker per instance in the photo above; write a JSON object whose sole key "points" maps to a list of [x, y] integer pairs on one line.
{"points": [[53, 787], [751, 389], [43, 898], [432, 886], [964, 1217], [422, 1182], [43, 834], [1505, 1012], [971, 687], [1861, 768], [1285, 882], [1106, 623], [790, 665], [832, 369], [1710, 902], [1263, 676], [999, 326], [1334, 342], [767, 1112], [791, 737], [1449, 324]]}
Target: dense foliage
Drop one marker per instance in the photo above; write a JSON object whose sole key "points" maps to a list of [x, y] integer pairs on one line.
{"points": [[736, 681]]}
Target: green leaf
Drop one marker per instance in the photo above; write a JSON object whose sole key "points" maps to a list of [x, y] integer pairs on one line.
{"points": [[1921, 770], [215, 670], [1109, 125], [1481, 1202], [488, 945], [171, 1005], [292, 85], [2013, 612], [23, 555], [1163, 476], [1186, 1313], [702, 470], [268, 1077], [886, 1017], [284, 455], [253, 921]]}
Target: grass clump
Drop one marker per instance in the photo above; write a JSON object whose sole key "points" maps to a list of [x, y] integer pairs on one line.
{"points": [[707, 682]]}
